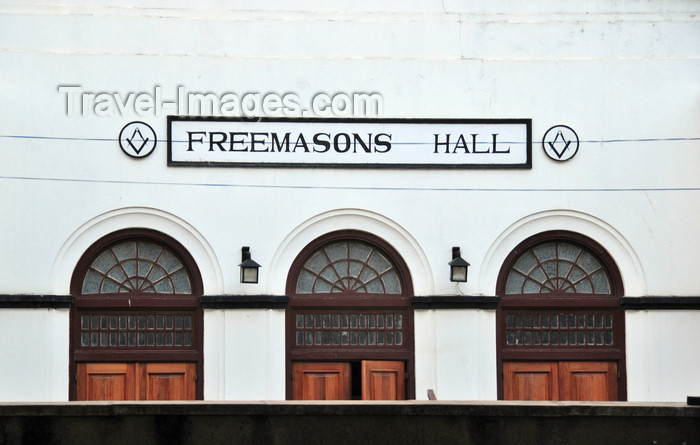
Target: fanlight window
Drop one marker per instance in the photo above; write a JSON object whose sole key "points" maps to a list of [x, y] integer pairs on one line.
{"points": [[348, 267], [137, 266], [559, 267]]}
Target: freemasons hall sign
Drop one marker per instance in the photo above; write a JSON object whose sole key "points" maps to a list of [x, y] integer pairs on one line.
{"points": [[356, 143]]}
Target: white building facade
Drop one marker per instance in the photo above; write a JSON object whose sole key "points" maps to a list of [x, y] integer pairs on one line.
{"points": [[615, 197]]}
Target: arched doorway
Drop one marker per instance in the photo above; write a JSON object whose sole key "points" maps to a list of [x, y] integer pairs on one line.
{"points": [[560, 326], [349, 321], [136, 321]]}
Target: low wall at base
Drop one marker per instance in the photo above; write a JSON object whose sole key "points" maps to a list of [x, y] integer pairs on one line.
{"points": [[412, 422]]}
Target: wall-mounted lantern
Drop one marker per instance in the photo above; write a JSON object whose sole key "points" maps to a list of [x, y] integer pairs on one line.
{"points": [[249, 268], [459, 268]]}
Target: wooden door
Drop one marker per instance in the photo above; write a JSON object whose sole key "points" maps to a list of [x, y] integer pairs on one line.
{"points": [[588, 380], [136, 381], [167, 381], [383, 380], [531, 381], [106, 381], [566, 380], [321, 381]]}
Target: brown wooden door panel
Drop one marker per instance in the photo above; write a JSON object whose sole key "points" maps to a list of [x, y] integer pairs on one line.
{"points": [[136, 381], [167, 381], [383, 380], [588, 380], [321, 381], [106, 381], [566, 380], [530, 381]]}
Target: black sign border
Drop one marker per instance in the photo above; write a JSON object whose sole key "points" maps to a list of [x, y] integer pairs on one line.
{"points": [[525, 165]]}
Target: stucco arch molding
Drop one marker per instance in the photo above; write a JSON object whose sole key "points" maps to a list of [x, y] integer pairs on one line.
{"points": [[137, 217], [614, 242], [353, 219]]}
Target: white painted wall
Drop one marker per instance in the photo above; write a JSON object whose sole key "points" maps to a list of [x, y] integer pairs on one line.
{"points": [[662, 355], [456, 354], [244, 354], [614, 71], [34, 351]]}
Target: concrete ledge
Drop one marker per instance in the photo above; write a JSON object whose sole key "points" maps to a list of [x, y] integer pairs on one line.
{"points": [[413, 422]]}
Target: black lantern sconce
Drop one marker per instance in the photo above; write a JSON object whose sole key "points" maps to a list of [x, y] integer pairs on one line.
{"points": [[459, 268], [249, 268]]}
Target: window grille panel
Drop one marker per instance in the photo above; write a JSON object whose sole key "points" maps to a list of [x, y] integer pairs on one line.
{"points": [[158, 330], [592, 329], [350, 329]]}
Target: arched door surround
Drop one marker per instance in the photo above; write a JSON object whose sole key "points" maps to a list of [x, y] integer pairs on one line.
{"points": [[560, 326], [136, 321], [349, 320]]}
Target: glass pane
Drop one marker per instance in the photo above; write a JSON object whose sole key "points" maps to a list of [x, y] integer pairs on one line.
{"points": [[317, 262], [360, 252], [545, 252], [165, 287], [588, 262], [584, 287], [104, 262], [568, 252], [601, 283], [337, 251], [305, 282], [329, 274], [564, 268], [538, 275], [514, 285], [157, 273], [355, 268], [125, 250], [576, 274], [550, 269], [375, 287], [391, 283], [109, 287], [169, 262], [531, 287], [149, 251], [129, 268], [143, 267], [91, 284], [378, 262], [525, 263]]}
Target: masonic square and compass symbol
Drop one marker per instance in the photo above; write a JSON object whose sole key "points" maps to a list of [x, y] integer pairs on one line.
{"points": [[560, 143], [137, 139]]}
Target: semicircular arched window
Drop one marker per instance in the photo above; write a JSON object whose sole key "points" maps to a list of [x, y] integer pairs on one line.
{"points": [[348, 267], [136, 266], [558, 267]]}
